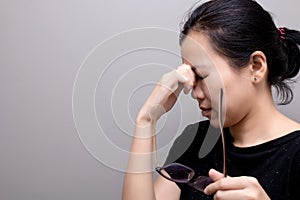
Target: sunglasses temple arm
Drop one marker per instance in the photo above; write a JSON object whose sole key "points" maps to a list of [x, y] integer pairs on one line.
{"points": [[224, 155], [222, 132]]}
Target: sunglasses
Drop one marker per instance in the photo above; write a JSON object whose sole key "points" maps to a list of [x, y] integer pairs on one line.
{"points": [[180, 173]]}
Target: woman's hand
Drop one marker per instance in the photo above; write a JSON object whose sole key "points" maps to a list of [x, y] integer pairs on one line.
{"points": [[231, 188], [165, 94]]}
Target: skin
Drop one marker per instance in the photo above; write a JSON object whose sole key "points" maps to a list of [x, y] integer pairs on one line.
{"points": [[204, 71]]}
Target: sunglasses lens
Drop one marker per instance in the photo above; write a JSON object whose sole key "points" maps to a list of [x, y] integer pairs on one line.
{"points": [[201, 182], [177, 172]]}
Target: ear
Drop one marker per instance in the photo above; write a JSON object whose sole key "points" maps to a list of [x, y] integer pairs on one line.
{"points": [[258, 66]]}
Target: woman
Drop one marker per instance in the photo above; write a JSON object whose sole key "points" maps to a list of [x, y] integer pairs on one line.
{"points": [[251, 55]]}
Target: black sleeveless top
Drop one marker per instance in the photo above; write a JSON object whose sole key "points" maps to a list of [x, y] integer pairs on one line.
{"points": [[275, 164]]}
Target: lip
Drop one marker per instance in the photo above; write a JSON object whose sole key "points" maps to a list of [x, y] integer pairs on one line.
{"points": [[205, 111]]}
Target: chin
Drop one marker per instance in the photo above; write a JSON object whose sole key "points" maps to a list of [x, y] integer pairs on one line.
{"points": [[215, 123], [214, 120]]}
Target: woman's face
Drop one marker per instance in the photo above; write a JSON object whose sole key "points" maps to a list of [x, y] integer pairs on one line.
{"points": [[212, 73]]}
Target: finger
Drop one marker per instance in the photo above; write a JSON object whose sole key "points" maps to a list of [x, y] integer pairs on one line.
{"points": [[190, 84], [186, 71], [230, 194], [227, 183], [182, 78], [178, 90], [182, 69], [171, 80], [186, 90], [215, 175], [192, 75]]}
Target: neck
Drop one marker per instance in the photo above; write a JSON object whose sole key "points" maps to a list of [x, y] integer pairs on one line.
{"points": [[263, 123]]}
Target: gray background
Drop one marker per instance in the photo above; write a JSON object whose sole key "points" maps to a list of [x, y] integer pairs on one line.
{"points": [[42, 45]]}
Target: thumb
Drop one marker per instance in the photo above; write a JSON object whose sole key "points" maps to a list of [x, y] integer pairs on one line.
{"points": [[215, 175]]}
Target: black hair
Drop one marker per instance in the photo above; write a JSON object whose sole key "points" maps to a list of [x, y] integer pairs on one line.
{"points": [[237, 28]]}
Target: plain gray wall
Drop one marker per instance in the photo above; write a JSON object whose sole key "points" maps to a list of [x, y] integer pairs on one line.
{"points": [[42, 46]]}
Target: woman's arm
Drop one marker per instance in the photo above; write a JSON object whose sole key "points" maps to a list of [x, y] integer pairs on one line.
{"points": [[138, 182]]}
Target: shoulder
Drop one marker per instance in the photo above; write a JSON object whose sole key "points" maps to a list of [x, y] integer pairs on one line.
{"points": [[293, 139], [291, 148], [295, 167], [295, 142]]}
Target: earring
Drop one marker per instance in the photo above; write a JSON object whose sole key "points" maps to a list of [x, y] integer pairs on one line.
{"points": [[255, 78]]}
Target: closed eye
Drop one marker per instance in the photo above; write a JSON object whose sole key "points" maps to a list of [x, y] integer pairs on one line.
{"points": [[200, 77]]}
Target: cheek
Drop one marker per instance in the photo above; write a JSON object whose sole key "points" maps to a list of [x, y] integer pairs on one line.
{"points": [[238, 101], [212, 89], [214, 84]]}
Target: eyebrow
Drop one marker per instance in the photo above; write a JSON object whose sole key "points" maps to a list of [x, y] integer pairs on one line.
{"points": [[188, 63], [194, 68]]}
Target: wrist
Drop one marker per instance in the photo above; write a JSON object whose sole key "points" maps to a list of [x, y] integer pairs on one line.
{"points": [[144, 121], [144, 117], [144, 127]]}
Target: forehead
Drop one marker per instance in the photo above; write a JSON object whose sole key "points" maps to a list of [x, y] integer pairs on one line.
{"points": [[196, 51]]}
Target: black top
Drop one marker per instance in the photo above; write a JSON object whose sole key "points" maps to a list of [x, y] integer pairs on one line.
{"points": [[275, 164]]}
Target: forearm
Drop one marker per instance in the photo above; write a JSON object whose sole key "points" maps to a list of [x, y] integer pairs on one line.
{"points": [[138, 183]]}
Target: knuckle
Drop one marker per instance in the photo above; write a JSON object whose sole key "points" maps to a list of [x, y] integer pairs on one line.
{"points": [[253, 180], [250, 196], [222, 183]]}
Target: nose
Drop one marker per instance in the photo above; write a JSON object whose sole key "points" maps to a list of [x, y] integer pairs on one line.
{"points": [[198, 92]]}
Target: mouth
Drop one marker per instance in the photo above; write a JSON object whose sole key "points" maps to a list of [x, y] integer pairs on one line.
{"points": [[205, 111]]}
